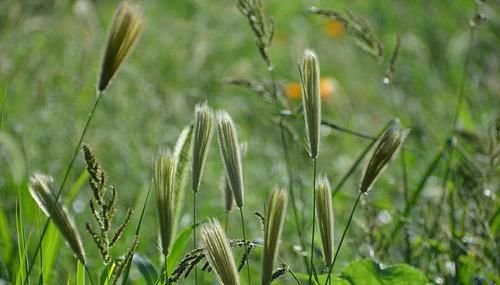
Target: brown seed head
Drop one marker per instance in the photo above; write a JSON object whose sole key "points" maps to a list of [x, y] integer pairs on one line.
{"points": [[125, 30]]}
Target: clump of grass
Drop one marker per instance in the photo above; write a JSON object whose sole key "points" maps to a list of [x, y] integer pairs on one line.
{"points": [[218, 253], [163, 183], [125, 30], [272, 233], [40, 190], [103, 207], [324, 211]]}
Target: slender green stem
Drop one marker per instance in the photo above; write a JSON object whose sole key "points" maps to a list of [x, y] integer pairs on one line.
{"points": [[346, 130], [137, 230], [343, 236], [90, 275], [165, 268], [194, 235], [461, 88], [245, 238], [66, 174], [226, 221], [314, 161], [298, 226]]}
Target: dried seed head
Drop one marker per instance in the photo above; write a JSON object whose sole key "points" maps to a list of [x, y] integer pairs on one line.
{"points": [[203, 124], [163, 181], [125, 30], [40, 190], [272, 233], [218, 253], [311, 100], [385, 150], [231, 156], [324, 211]]}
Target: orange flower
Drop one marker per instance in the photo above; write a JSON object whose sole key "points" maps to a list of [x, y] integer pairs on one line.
{"points": [[327, 88], [334, 29]]}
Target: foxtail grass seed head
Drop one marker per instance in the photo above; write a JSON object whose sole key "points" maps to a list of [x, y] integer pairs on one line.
{"points": [[311, 100], [231, 156], [218, 253], [203, 124], [275, 217], [385, 150], [324, 211], [164, 184], [125, 30], [40, 190]]}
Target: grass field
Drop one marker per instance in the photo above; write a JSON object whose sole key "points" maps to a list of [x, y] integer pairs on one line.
{"points": [[435, 208]]}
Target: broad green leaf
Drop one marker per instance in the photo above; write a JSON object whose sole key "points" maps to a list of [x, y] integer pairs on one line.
{"points": [[146, 268], [368, 272], [178, 248]]}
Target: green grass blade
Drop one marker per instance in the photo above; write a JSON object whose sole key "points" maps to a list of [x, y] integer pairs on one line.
{"points": [[178, 248], [80, 273], [146, 269]]}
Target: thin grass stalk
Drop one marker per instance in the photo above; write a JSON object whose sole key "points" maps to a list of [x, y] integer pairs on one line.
{"points": [[126, 271], [343, 237], [298, 225], [314, 161], [245, 238]]}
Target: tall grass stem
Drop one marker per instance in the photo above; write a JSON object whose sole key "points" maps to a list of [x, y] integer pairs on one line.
{"points": [[66, 175], [343, 237], [314, 162], [245, 239]]}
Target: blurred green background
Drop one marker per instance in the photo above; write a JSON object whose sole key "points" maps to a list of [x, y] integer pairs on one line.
{"points": [[50, 53]]}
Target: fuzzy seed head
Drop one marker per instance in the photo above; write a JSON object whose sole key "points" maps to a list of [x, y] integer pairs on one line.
{"points": [[385, 150], [203, 124], [40, 189], [231, 156], [324, 212], [125, 30], [272, 233], [311, 100], [164, 184], [218, 253]]}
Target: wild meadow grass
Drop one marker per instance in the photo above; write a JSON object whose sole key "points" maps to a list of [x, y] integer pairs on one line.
{"points": [[379, 168]]}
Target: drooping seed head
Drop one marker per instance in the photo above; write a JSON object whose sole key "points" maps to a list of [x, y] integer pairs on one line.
{"points": [[275, 217], [125, 30], [218, 253], [311, 100], [164, 184], [231, 156], [203, 124], [40, 189], [385, 150], [324, 212]]}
